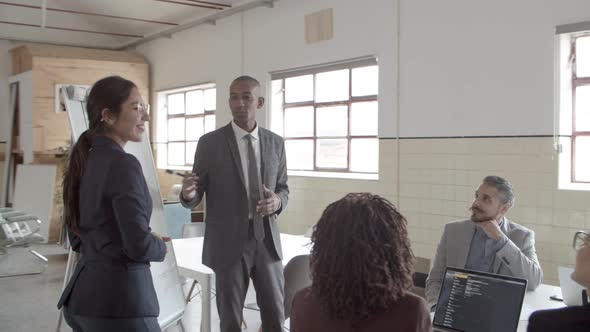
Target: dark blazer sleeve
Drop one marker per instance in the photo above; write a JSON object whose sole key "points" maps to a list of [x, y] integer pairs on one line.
{"points": [[131, 205], [281, 188], [570, 319], [74, 239]]}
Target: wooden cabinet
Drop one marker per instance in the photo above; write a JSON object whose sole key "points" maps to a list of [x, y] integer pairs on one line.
{"points": [[58, 65], [43, 125]]}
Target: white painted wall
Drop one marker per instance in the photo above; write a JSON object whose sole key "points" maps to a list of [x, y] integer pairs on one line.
{"points": [[467, 67], [480, 67], [274, 40]]}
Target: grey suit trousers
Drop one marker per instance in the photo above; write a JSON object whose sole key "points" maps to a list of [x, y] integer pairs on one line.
{"points": [[258, 262]]}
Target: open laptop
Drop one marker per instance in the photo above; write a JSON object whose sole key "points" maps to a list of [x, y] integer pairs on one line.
{"points": [[571, 291], [471, 301]]}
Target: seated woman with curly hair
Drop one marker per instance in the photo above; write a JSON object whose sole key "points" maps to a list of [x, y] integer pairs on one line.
{"points": [[361, 268]]}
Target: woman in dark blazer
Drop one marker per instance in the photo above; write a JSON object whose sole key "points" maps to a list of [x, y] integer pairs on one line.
{"points": [[575, 318], [107, 210], [361, 270]]}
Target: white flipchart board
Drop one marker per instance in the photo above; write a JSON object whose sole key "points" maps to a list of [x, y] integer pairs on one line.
{"points": [[164, 274]]}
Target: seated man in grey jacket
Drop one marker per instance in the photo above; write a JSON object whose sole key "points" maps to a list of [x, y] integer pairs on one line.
{"points": [[486, 242]]}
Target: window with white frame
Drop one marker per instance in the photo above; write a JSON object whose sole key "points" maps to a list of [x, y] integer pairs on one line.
{"points": [[184, 115], [328, 117], [573, 107]]}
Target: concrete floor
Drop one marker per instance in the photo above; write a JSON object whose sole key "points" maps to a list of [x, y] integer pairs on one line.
{"points": [[28, 303]]}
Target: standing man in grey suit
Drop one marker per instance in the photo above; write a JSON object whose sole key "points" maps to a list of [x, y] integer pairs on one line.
{"points": [[487, 242], [242, 170]]}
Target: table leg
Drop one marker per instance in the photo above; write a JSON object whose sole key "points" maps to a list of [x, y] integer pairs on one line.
{"points": [[205, 282]]}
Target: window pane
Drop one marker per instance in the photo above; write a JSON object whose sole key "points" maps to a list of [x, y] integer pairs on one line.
{"points": [[299, 154], [332, 153], [162, 155], [210, 99], [363, 118], [176, 129], [299, 89], [332, 121], [332, 86], [191, 147], [176, 154], [365, 81], [194, 129], [209, 123], [364, 155], [176, 103], [582, 159], [276, 115], [194, 102], [299, 121], [582, 108], [582, 57]]}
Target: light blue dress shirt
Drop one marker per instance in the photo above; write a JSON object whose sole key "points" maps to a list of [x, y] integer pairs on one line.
{"points": [[482, 252]]}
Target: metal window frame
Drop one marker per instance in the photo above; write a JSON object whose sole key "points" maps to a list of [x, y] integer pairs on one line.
{"points": [[185, 117], [349, 65], [576, 82]]}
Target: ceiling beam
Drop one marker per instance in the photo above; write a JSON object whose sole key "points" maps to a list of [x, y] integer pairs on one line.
{"points": [[191, 4], [72, 29], [85, 13], [39, 41], [202, 20], [211, 3]]}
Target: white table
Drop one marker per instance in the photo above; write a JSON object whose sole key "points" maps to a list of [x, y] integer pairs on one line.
{"points": [[189, 252], [538, 300]]}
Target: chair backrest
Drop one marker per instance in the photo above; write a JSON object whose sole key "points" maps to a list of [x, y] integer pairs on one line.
{"points": [[195, 229], [176, 216], [18, 228], [421, 268], [297, 277]]}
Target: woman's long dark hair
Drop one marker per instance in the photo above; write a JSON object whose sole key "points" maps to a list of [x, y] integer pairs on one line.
{"points": [[109, 92], [361, 261]]}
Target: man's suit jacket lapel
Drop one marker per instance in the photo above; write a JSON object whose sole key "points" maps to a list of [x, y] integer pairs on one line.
{"points": [[230, 137], [465, 239]]}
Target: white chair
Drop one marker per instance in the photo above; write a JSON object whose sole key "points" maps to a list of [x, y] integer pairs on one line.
{"points": [[20, 229]]}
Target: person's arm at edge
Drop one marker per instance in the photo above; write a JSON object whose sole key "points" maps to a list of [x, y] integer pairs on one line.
{"points": [[282, 188]]}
